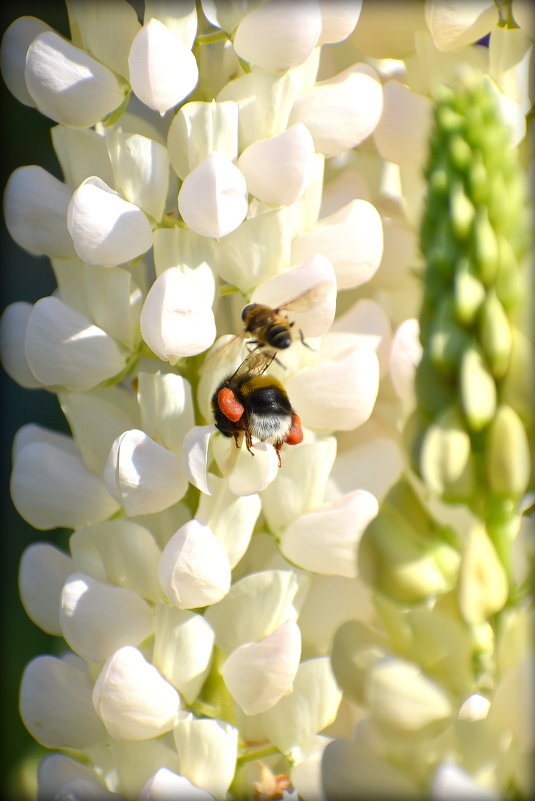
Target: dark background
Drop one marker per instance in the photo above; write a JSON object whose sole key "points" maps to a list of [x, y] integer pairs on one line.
{"points": [[25, 139]]}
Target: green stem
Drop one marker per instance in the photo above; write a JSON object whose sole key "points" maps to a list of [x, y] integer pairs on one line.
{"points": [[257, 753], [211, 38]]}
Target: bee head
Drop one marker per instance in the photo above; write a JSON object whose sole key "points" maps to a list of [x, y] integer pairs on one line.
{"points": [[247, 310]]}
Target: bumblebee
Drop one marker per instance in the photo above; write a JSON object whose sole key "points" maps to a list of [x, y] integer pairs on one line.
{"points": [[250, 404]]}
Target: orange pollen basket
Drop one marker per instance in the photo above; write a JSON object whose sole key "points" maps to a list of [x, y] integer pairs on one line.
{"points": [[231, 408]]}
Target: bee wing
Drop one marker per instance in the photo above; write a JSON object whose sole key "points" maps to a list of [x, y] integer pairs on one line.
{"points": [[308, 299], [256, 362], [226, 348]]}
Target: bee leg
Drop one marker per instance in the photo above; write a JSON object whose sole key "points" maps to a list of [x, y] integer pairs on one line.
{"points": [[278, 448], [302, 338], [249, 442]]}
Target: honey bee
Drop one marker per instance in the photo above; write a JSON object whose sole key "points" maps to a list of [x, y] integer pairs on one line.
{"points": [[250, 404], [271, 327]]}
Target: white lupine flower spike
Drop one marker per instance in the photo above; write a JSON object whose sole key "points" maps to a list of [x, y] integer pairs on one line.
{"points": [[289, 337]]}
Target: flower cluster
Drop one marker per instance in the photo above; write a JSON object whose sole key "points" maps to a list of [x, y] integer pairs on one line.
{"points": [[215, 155]]}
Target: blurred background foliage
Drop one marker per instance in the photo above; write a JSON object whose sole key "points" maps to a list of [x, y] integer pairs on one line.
{"points": [[25, 140]]}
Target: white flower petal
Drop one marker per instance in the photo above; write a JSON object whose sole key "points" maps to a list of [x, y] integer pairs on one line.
{"points": [[35, 211], [191, 252], [65, 349], [106, 31], [142, 475], [338, 19], [403, 130], [451, 781], [207, 752], [140, 170], [13, 324], [279, 35], [181, 18], [51, 488], [166, 406], [365, 324], [311, 706], [168, 786], [255, 92], [258, 674], [342, 111], [326, 541], [348, 769], [201, 128], [224, 14], [57, 770], [356, 379], [233, 526], [131, 697], [401, 697], [453, 23], [42, 574], [67, 84], [163, 70], [96, 418], [372, 463], [405, 354], [213, 198], [352, 240], [194, 568], [253, 473], [106, 229], [97, 618], [176, 319], [119, 552], [183, 645], [15, 43], [315, 274], [301, 486], [256, 606], [81, 154], [55, 703], [278, 169], [196, 443], [255, 251]]}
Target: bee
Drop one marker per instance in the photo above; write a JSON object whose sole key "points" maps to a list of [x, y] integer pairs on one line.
{"points": [[271, 327], [250, 404]]}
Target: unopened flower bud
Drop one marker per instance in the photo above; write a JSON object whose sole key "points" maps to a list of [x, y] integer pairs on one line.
{"points": [[483, 584], [477, 390], [445, 457], [507, 459], [397, 561], [495, 335]]}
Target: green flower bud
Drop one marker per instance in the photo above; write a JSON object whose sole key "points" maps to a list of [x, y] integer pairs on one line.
{"points": [[495, 335], [509, 283], [507, 459], [477, 390], [462, 211], [485, 247], [433, 390], [516, 390], [469, 292], [447, 341], [483, 586], [355, 649], [446, 463], [403, 565], [460, 152]]}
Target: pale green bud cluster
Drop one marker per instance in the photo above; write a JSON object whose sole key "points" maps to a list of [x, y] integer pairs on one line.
{"points": [[470, 431]]}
